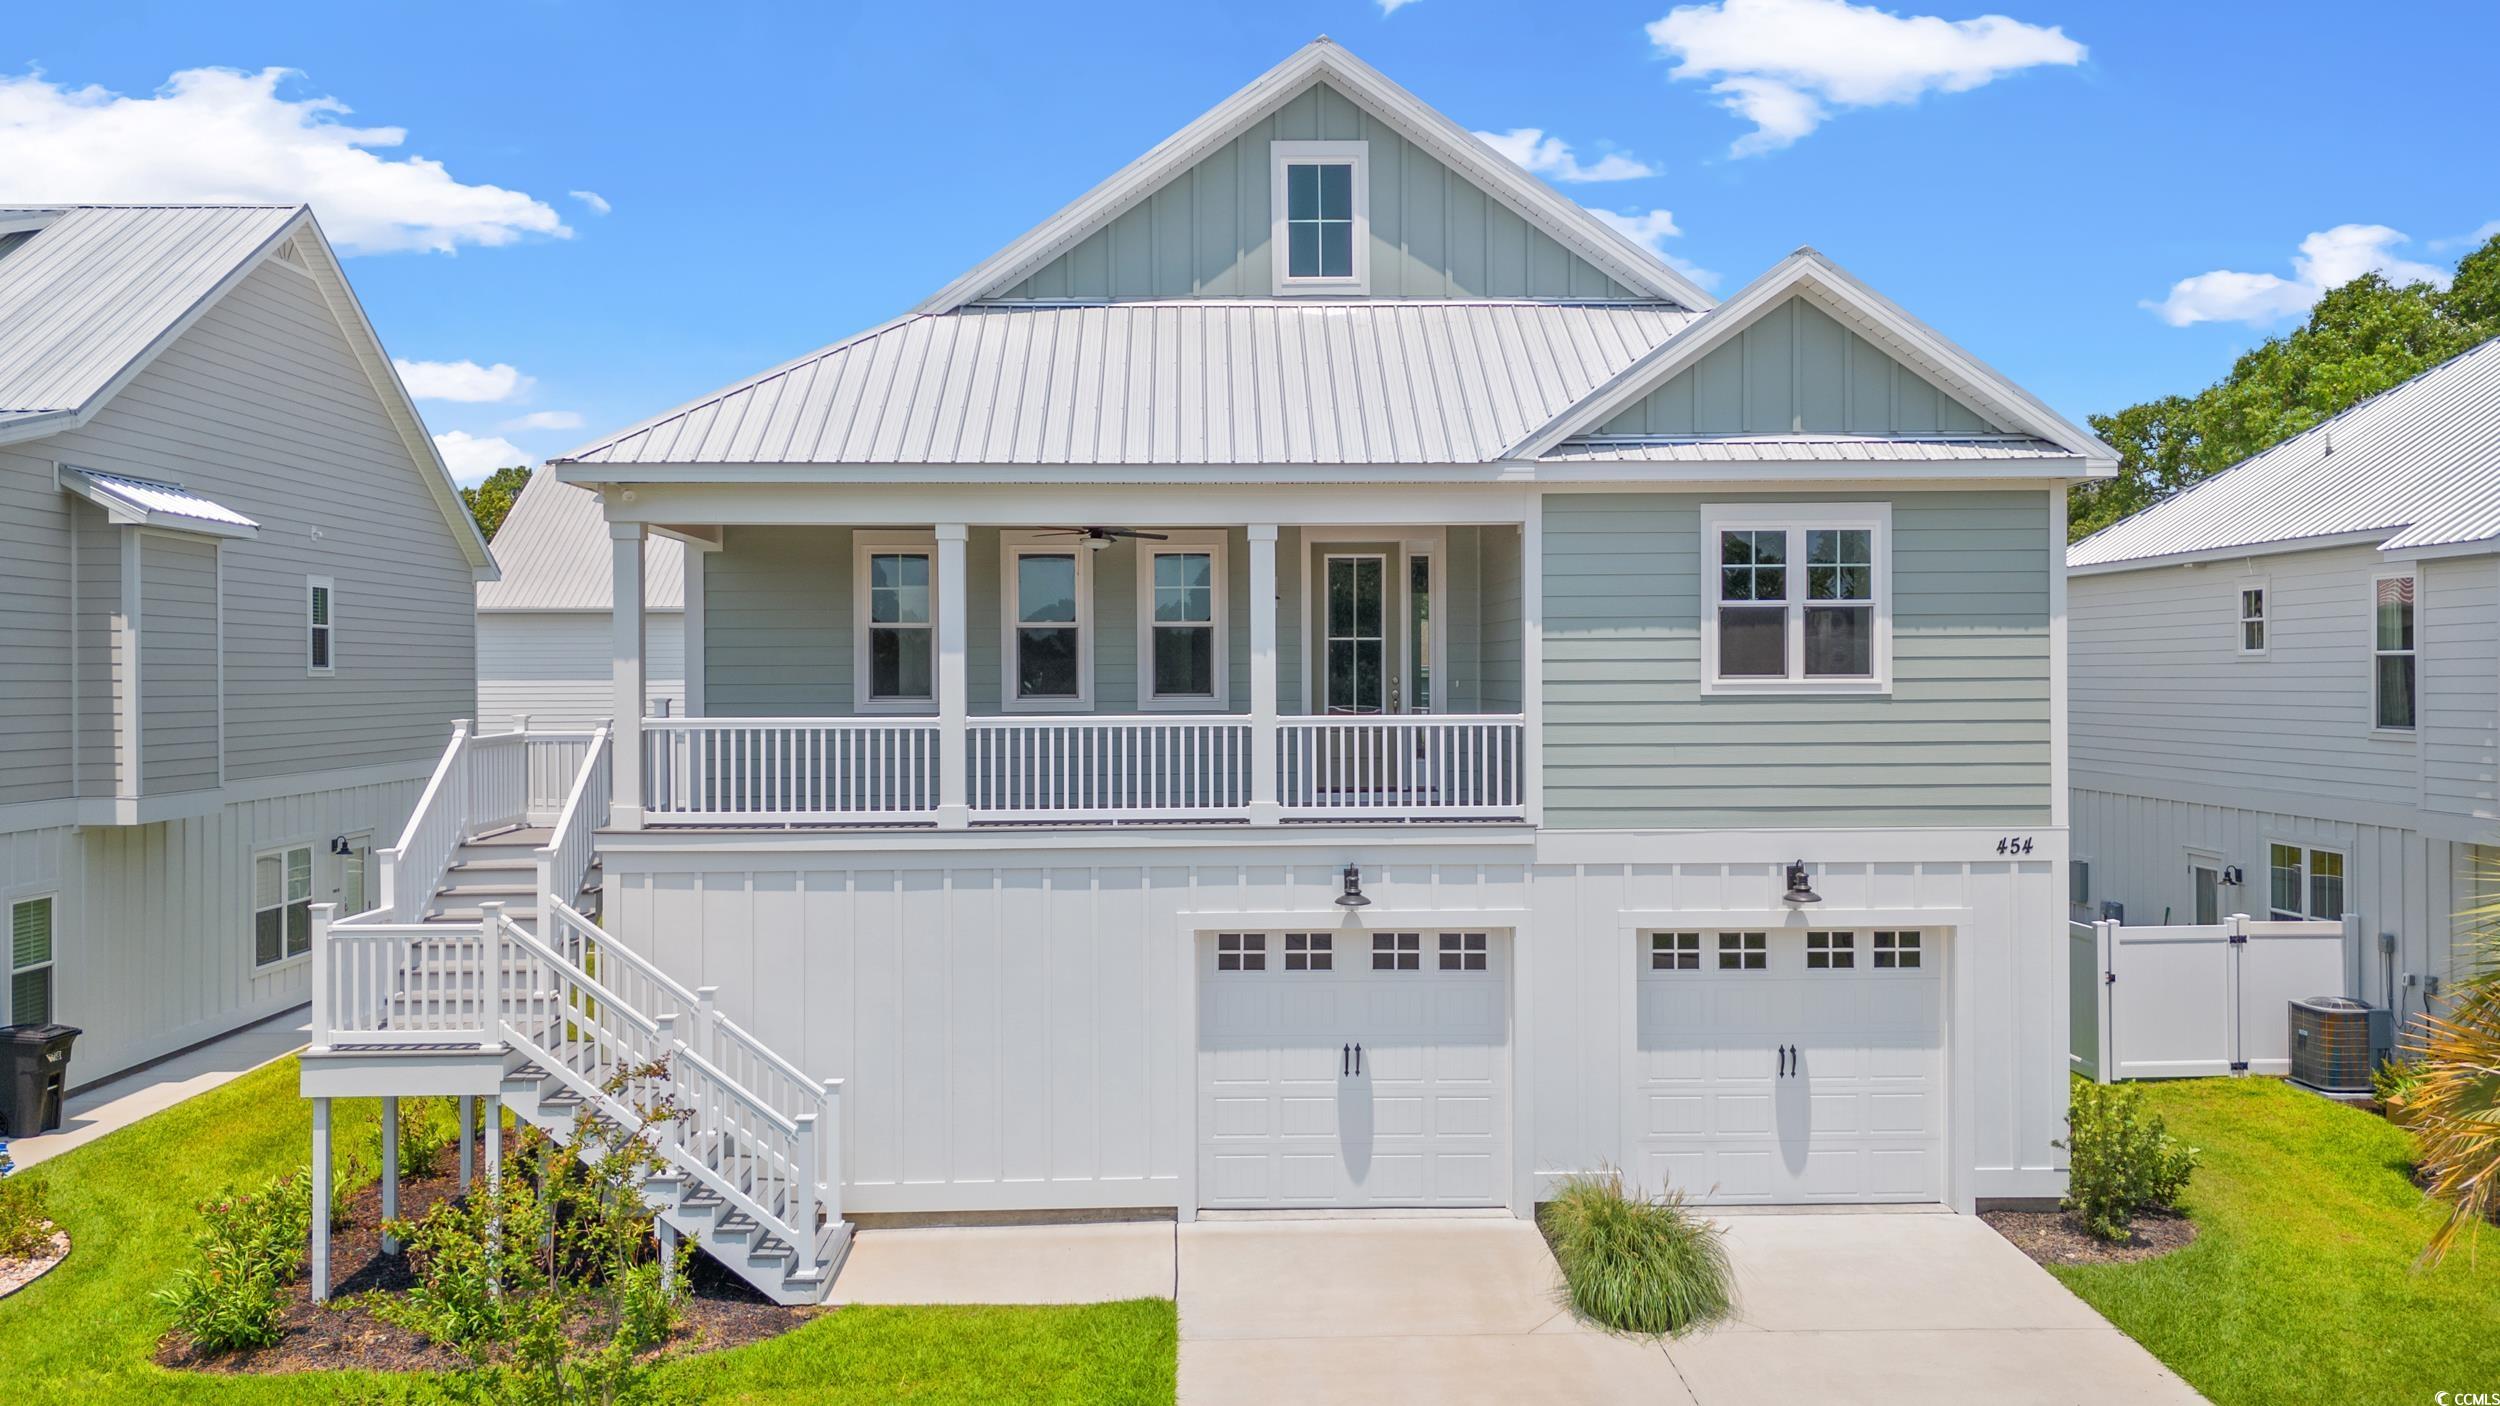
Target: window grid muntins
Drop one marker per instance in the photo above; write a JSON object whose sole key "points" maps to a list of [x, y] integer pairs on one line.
{"points": [[1241, 952], [1397, 951], [1895, 950], [1309, 951], [1462, 951], [2252, 620], [281, 905], [1319, 219], [1797, 602], [1753, 603], [1744, 951], [1831, 951], [1675, 951], [31, 935], [2392, 651], [901, 633]]}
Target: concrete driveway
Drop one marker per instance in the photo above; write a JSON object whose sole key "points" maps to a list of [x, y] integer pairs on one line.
{"points": [[1912, 1307]]}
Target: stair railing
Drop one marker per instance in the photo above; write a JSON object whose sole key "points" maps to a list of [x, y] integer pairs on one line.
{"points": [[564, 862], [413, 869]]}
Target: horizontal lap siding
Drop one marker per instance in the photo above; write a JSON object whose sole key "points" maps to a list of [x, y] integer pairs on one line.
{"points": [[1206, 232], [2460, 672], [262, 406], [178, 724], [557, 667], [36, 626], [1630, 741]]}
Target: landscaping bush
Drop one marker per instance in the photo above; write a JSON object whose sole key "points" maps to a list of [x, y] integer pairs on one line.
{"points": [[2454, 1107], [2124, 1159], [25, 1227], [249, 1246], [426, 1127], [1637, 1264]]}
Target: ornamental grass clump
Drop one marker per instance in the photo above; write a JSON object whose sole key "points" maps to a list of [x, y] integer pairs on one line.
{"points": [[2454, 1105], [1635, 1263], [2124, 1160]]}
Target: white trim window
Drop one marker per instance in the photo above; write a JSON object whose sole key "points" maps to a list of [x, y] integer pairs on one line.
{"points": [[2305, 882], [33, 929], [2252, 619], [2392, 659], [1800, 598], [1182, 649], [282, 886], [894, 623], [1320, 194], [1048, 624], [320, 626]]}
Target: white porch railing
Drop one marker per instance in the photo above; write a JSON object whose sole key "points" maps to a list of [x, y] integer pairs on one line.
{"points": [[1027, 768], [401, 984], [1402, 766], [572, 841], [482, 783], [773, 771]]}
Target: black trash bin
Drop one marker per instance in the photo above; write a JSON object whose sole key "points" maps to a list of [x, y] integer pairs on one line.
{"points": [[34, 1069]]}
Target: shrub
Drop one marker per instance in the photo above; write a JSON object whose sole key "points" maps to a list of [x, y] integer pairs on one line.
{"points": [[426, 1127], [1637, 1264], [249, 1246], [25, 1227], [2124, 1159]]}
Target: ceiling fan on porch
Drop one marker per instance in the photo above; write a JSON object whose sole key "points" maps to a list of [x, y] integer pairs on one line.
{"points": [[1098, 538]]}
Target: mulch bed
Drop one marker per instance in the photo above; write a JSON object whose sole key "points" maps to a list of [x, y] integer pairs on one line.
{"points": [[718, 1310], [2053, 1237], [18, 1272]]}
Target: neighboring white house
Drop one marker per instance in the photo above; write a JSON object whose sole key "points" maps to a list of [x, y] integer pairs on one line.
{"points": [[542, 630], [234, 610], [1320, 676], [2287, 685]]}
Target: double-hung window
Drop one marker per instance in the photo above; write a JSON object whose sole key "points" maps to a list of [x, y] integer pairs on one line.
{"points": [[282, 885], [894, 623], [1049, 606], [1797, 598], [2305, 883], [2252, 618], [2391, 649], [30, 960], [320, 626], [1322, 199], [1180, 598]]}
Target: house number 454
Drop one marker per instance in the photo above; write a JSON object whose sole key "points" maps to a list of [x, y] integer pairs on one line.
{"points": [[2014, 844]]}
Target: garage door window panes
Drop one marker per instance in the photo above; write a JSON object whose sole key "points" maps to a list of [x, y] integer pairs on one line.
{"points": [[1397, 951], [1830, 951], [1462, 951], [1675, 951], [1744, 951], [1241, 952], [1896, 949], [1309, 952]]}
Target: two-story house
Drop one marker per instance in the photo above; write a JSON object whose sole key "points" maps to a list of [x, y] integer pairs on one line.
{"points": [[1319, 676], [234, 610], [2287, 686]]}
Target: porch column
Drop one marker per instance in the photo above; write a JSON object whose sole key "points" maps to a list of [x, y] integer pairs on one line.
{"points": [[696, 556], [1263, 804], [954, 811], [625, 811], [1532, 661]]}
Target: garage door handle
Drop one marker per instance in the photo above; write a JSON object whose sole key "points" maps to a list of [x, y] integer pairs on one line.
{"points": [[1783, 1061], [1345, 1060], [1358, 1058]]}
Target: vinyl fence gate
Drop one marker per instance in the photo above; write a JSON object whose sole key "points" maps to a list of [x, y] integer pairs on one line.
{"points": [[2193, 1001]]}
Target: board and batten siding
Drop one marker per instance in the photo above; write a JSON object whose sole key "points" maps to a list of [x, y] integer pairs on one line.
{"points": [[1797, 370], [557, 667], [178, 704], [37, 719], [1205, 233], [263, 406], [1631, 741]]}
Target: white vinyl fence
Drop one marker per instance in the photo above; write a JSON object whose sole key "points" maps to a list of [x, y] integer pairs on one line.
{"points": [[2191, 1001]]}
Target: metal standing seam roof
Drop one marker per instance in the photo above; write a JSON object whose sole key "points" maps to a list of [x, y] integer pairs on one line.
{"points": [[553, 552], [1803, 448], [147, 497], [1186, 382], [2420, 461], [102, 283]]}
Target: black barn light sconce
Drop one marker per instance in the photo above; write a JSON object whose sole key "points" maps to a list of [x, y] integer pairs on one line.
{"points": [[1799, 890], [1353, 895]]}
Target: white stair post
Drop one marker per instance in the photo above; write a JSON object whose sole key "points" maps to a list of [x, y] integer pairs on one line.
{"points": [[390, 1171], [704, 1039], [490, 974], [829, 1131], [803, 1212], [667, 1236], [320, 1252], [468, 1137], [1264, 809], [322, 1015]]}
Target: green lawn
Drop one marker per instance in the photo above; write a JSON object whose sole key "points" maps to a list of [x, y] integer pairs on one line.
{"points": [[85, 1332], [2301, 1285]]}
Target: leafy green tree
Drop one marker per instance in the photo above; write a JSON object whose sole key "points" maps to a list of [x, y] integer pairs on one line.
{"points": [[490, 502], [2362, 338]]}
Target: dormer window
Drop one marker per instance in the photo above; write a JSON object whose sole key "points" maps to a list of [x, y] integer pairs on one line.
{"points": [[1322, 217]]}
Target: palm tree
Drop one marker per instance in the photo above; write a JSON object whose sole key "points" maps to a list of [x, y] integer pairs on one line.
{"points": [[2457, 1102]]}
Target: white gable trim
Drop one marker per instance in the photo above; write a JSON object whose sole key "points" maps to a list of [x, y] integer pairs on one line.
{"points": [[1321, 59], [1862, 310]]}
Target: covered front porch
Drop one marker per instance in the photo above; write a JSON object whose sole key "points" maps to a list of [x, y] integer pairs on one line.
{"points": [[1147, 668]]}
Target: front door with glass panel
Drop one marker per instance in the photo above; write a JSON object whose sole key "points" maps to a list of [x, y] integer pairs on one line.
{"points": [[1354, 660]]}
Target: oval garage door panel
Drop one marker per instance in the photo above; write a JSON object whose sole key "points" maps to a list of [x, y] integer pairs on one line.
{"points": [[1786, 1067], [1353, 1069]]}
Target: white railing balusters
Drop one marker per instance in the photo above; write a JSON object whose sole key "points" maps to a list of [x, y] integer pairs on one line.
{"points": [[789, 771], [1401, 766]]}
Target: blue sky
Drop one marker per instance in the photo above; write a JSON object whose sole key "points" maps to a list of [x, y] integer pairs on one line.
{"points": [[774, 178]]}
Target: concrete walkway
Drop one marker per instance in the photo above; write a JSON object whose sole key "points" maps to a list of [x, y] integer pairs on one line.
{"points": [[125, 1100]]}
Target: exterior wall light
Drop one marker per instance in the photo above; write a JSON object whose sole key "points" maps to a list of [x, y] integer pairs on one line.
{"points": [[1800, 891], [1353, 895]]}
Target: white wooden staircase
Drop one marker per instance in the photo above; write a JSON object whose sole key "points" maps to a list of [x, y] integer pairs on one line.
{"points": [[481, 971]]}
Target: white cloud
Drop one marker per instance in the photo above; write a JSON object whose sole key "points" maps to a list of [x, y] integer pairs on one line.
{"points": [[1551, 156], [471, 458], [2481, 235], [546, 420], [1652, 230], [1391, 7], [217, 134], [2327, 259], [463, 381], [1784, 65], [598, 203]]}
